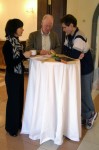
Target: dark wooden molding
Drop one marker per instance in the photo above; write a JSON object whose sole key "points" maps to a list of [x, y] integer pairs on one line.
{"points": [[41, 11], [2, 62]]}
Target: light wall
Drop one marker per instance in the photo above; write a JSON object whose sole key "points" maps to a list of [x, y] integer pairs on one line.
{"points": [[83, 11], [18, 9]]}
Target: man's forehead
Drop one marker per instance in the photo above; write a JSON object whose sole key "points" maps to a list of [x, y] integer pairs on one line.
{"points": [[47, 22]]}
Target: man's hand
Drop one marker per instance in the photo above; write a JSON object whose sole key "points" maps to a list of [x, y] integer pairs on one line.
{"points": [[81, 56], [44, 52], [52, 52]]}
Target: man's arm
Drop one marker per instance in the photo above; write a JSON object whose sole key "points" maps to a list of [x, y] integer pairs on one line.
{"points": [[30, 42], [55, 43]]}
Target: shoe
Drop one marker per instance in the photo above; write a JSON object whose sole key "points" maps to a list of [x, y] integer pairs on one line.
{"points": [[89, 122], [12, 134]]}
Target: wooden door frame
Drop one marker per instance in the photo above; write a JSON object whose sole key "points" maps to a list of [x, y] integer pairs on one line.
{"points": [[94, 31]]}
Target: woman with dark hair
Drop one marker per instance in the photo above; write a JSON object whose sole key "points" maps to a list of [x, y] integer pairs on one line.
{"points": [[14, 77]]}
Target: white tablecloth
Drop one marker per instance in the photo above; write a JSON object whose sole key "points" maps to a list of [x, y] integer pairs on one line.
{"points": [[53, 101]]}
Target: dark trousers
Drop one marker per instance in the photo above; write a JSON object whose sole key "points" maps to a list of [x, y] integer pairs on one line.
{"points": [[14, 107]]}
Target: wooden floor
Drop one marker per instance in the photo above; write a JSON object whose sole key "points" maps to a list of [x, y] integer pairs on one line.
{"points": [[22, 142]]}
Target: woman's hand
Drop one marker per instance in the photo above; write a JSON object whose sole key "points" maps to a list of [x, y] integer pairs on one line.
{"points": [[27, 54]]}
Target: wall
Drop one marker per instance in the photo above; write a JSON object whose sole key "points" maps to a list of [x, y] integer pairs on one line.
{"points": [[18, 9], [83, 11]]}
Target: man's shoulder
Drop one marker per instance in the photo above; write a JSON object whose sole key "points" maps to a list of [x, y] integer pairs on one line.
{"points": [[80, 34], [34, 33]]}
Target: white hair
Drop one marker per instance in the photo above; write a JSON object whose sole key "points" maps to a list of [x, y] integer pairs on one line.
{"points": [[47, 16]]}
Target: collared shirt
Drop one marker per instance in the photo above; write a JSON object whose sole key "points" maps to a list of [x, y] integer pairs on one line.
{"points": [[46, 43]]}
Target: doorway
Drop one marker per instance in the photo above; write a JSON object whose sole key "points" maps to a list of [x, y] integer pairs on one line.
{"points": [[95, 42]]}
